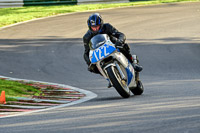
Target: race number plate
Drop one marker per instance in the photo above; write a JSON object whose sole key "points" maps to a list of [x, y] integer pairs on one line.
{"points": [[102, 52]]}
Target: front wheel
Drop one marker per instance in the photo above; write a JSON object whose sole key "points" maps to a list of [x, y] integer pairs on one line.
{"points": [[119, 84]]}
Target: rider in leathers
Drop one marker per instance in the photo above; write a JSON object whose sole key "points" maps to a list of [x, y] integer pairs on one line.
{"points": [[96, 26]]}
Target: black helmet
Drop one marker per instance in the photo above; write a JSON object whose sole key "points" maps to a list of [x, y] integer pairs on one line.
{"points": [[95, 22]]}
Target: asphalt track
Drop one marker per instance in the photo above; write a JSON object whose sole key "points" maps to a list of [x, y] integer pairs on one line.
{"points": [[166, 39]]}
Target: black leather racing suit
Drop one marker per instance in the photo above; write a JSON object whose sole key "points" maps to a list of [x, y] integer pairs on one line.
{"points": [[115, 37]]}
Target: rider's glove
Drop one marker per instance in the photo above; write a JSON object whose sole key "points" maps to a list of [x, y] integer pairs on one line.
{"points": [[117, 42]]}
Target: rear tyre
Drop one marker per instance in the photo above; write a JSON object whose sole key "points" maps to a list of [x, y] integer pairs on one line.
{"points": [[119, 84], [139, 89]]}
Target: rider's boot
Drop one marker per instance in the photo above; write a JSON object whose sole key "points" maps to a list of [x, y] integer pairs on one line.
{"points": [[135, 64], [137, 67]]}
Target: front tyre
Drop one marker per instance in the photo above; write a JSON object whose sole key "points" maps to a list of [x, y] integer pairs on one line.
{"points": [[119, 84]]}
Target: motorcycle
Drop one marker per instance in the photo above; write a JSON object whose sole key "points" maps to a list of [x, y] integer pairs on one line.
{"points": [[114, 66]]}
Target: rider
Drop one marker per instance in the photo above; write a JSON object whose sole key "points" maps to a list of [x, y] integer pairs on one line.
{"points": [[97, 26]]}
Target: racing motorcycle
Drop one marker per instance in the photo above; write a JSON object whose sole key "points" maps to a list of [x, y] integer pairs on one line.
{"points": [[114, 66]]}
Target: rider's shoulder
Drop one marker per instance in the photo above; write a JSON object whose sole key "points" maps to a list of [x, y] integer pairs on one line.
{"points": [[87, 35], [107, 25]]}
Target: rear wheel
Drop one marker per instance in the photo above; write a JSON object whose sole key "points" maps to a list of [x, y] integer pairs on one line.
{"points": [[139, 89], [119, 84]]}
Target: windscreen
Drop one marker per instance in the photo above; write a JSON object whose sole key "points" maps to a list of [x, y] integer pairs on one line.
{"points": [[97, 41]]}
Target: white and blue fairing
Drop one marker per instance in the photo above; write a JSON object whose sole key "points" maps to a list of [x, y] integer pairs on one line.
{"points": [[101, 47]]}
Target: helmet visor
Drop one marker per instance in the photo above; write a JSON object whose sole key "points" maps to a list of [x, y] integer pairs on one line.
{"points": [[95, 28]]}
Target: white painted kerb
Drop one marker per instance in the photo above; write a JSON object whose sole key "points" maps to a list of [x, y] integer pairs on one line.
{"points": [[88, 96]]}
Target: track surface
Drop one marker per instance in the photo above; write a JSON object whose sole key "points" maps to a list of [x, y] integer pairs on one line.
{"points": [[166, 39]]}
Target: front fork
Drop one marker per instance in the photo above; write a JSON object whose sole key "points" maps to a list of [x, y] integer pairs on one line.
{"points": [[115, 64], [120, 71]]}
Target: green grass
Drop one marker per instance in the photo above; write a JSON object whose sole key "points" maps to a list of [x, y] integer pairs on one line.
{"points": [[17, 89], [10, 16]]}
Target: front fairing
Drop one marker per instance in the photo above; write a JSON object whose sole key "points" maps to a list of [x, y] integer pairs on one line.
{"points": [[101, 47], [101, 53]]}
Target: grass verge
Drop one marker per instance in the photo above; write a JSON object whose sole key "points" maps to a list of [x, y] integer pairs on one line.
{"points": [[17, 89], [10, 16]]}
